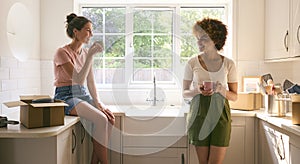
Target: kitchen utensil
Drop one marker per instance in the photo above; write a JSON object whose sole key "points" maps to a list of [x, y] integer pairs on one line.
{"points": [[277, 89], [266, 77], [262, 88], [4, 122], [287, 84], [277, 105], [269, 89]]}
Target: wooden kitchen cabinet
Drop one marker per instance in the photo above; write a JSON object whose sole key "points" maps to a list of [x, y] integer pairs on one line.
{"points": [[295, 154], [168, 155], [63, 148], [295, 28], [155, 149], [276, 29], [294, 149], [273, 144], [241, 149], [81, 152], [73, 146], [282, 35]]}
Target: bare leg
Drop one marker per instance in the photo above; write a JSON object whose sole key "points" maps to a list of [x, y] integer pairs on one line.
{"points": [[101, 130], [100, 152], [94, 158], [216, 155], [202, 154]]}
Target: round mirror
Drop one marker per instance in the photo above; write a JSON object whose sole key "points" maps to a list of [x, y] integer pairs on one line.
{"points": [[20, 31]]}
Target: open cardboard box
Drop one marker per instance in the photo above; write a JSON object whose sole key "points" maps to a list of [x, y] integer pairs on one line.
{"points": [[35, 115], [247, 101]]}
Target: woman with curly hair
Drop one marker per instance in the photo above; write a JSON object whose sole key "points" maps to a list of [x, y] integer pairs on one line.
{"points": [[209, 119]]}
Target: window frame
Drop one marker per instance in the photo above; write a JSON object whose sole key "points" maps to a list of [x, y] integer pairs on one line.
{"points": [[176, 46]]}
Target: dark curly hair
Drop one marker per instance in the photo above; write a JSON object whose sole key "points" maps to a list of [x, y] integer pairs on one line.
{"points": [[215, 29], [74, 21]]}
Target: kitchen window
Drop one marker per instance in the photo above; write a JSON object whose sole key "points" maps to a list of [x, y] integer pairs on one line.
{"points": [[147, 41]]}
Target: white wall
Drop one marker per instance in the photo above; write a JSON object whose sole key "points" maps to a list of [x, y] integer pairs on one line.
{"points": [[19, 77], [53, 16]]}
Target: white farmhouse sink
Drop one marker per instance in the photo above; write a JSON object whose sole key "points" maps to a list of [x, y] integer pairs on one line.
{"points": [[150, 129], [154, 111], [154, 120]]}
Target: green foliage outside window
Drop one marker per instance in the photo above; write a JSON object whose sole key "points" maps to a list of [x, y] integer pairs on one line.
{"points": [[153, 37]]}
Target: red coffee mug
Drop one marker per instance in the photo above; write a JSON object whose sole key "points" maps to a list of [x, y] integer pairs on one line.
{"points": [[208, 85]]}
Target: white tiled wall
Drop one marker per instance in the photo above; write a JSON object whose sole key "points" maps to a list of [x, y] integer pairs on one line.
{"points": [[47, 77], [18, 78]]}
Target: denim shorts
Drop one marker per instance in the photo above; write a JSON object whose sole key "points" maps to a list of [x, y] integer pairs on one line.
{"points": [[72, 95]]}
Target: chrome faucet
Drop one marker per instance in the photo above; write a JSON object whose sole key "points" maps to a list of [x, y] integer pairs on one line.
{"points": [[154, 100], [154, 91]]}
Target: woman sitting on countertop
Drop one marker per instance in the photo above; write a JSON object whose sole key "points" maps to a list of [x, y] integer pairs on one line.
{"points": [[72, 68]]}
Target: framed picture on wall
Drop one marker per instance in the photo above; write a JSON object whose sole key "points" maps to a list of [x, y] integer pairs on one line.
{"points": [[251, 83]]}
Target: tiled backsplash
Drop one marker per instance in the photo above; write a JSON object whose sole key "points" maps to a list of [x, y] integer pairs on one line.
{"points": [[18, 78]]}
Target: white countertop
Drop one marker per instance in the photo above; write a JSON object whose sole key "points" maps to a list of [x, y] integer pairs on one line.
{"points": [[19, 131], [284, 123]]}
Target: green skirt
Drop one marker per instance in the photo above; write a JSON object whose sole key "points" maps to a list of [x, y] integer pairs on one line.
{"points": [[209, 121]]}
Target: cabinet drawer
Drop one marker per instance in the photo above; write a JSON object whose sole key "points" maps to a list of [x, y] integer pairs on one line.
{"points": [[238, 121], [154, 141], [169, 155]]}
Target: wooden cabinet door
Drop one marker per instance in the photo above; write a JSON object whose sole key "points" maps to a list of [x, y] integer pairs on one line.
{"points": [[276, 29], [295, 154], [237, 146], [64, 146], [241, 143], [273, 145], [84, 145], [295, 28], [115, 148]]}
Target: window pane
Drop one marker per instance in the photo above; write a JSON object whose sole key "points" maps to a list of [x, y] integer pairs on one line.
{"points": [[188, 46], [153, 29], [115, 20], [189, 16], [142, 46], [162, 46], [162, 63], [142, 22], [109, 28], [114, 46], [142, 70], [162, 22], [115, 71], [98, 71], [96, 16], [163, 74]]}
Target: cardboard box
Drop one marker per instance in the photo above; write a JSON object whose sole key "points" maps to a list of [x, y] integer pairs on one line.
{"points": [[35, 115], [247, 101]]}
